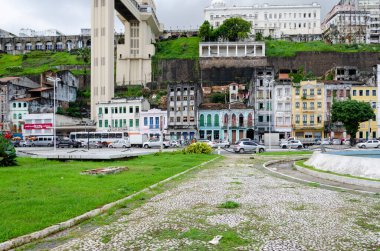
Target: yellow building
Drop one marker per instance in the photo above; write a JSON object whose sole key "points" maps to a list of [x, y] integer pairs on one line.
{"points": [[308, 110], [367, 130]]}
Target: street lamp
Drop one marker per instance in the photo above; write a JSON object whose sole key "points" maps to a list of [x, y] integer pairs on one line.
{"points": [[55, 81]]}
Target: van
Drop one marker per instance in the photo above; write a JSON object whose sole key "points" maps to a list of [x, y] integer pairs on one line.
{"points": [[46, 141]]}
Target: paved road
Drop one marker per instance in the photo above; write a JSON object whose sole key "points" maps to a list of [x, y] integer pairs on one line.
{"points": [[273, 214]]}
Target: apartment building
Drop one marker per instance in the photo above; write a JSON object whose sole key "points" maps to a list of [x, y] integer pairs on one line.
{"points": [[308, 109], [282, 106]]}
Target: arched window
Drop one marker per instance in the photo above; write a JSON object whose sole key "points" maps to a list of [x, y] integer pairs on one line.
{"points": [[233, 120], [241, 120], [209, 120], [202, 120], [250, 120], [216, 120], [19, 116], [226, 120]]}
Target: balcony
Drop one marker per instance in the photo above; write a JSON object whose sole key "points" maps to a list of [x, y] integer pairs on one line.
{"points": [[154, 126]]}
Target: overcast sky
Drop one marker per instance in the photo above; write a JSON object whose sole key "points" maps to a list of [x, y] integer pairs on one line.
{"points": [[69, 16]]}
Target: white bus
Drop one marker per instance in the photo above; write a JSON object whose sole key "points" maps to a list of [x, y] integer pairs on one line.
{"points": [[94, 137]]}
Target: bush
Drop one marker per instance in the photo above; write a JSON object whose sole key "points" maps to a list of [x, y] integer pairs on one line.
{"points": [[7, 153], [198, 148]]}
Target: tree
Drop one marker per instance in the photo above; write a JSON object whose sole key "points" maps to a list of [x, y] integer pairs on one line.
{"points": [[351, 113], [219, 98], [206, 32], [7, 153], [234, 29]]}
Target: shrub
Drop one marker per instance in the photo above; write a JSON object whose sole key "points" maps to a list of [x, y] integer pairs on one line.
{"points": [[7, 153], [198, 148], [229, 205]]}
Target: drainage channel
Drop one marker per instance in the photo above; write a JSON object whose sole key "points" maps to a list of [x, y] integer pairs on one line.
{"points": [[286, 169]]}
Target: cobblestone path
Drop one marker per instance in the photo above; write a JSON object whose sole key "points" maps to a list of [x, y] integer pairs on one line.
{"points": [[272, 214]]}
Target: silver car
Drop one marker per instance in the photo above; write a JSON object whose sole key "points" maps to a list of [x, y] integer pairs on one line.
{"points": [[292, 144], [156, 143], [248, 146], [121, 143]]}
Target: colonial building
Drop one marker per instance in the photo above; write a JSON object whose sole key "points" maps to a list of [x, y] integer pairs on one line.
{"points": [[282, 105], [347, 24], [121, 114], [262, 89], [182, 110], [277, 21], [153, 123], [227, 122], [368, 94], [308, 109]]}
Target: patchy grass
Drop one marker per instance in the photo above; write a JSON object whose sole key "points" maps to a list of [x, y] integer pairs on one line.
{"points": [[285, 153], [299, 208], [302, 164], [181, 48], [36, 62], [280, 48], [313, 184], [229, 205], [363, 223], [49, 192]]}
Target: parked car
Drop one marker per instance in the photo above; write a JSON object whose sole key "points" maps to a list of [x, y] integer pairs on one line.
{"points": [[336, 142], [292, 144], [326, 142], [221, 143], [26, 143], [208, 142], [248, 146], [156, 143], [174, 143], [94, 144], [16, 143], [370, 144], [69, 143], [243, 140], [121, 143]]}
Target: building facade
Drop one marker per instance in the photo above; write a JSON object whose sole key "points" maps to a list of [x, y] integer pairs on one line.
{"points": [[182, 110], [346, 24], [17, 112], [308, 110], [153, 123], [121, 114], [277, 21], [368, 94], [38, 125], [282, 106]]}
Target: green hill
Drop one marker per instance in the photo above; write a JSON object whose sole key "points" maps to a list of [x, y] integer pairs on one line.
{"points": [[36, 62]]}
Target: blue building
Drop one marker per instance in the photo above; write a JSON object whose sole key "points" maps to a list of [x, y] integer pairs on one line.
{"points": [[226, 122]]}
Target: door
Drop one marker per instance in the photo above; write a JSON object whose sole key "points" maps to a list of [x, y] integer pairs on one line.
{"points": [[241, 134], [233, 136], [250, 134]]}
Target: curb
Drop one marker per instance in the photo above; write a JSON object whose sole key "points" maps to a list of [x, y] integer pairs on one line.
{"points": [[25, 239], [338, 178], [307, 181]]}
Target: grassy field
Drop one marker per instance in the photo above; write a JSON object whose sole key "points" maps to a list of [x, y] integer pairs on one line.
{"points": [[287, 153], [278, 48], [35, 62], [181, 48], [39, 193]]}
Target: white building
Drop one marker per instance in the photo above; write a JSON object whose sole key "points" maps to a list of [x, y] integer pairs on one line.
{"points": [[38, 125], [232, 49], [17, 112], [270, 20], [283, 108], [346, 24], [153, 122], [121, 114], [45, 33]]}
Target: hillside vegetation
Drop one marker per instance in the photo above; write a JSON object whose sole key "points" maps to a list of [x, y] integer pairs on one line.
{"points": [[36, 62], [188, 48]]}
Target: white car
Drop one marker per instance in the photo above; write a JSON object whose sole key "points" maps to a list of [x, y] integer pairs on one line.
{"points": [[121, 143], [175, 143], [325, 142], [156, 143], [208, 142], [370, 144], [292, 144], [222, 144]]}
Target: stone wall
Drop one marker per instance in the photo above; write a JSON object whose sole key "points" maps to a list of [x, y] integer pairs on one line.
{"points": [[219, 71]]}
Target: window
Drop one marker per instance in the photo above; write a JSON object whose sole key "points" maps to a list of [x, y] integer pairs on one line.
{"points": [[137, 109], [261, 119], [319, 91], [116, 123], [14, 116], [202, 120], [178, 119], [374, 93], [304, 120], [209, 120], [354, 93], [311, 119], [19, 116], [19, 105], [14, 105], [311, 92], [106, 123], [116, 110], [145, 121], [297, 105], [297, 119], [216, 120], [124, 109], [304, 92], [312, 105], [100, 123], [361, 93], [367, 93], [100, 111], [297, 91], [106, 110], [131, 123], [137, 122], [319, 104], [131, 110], [304, 105]]}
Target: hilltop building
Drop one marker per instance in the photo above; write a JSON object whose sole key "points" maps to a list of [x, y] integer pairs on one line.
{"points": [[277, 21]]}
